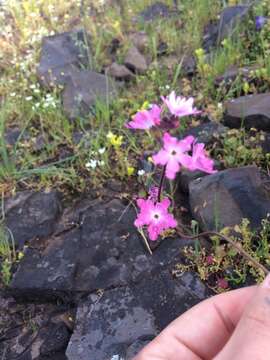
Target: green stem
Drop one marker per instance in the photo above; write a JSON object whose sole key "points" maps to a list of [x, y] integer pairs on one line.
{"points": [[161, 183]]}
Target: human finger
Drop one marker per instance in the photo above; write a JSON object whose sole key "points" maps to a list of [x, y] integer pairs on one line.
{"points": [[201, 332]]}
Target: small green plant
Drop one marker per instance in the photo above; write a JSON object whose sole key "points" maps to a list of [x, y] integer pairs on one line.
{"points": [[239, 148], [7, 254], [223, 266]]}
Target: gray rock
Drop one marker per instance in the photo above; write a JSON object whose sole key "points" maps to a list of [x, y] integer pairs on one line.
{"points": [[232, 73], [135, 61], [225, 198], [31, 215], [188, 66], [44, 336], [40, 143], [230, 17], [95, 246], [135, 348], [155, 11], [140, 40], [104, 328], [251, 111], [83, 90], [119, 72], [61, 56], [122, 321], [12, 136], [207, 133], [265, 143], [185, 177]]}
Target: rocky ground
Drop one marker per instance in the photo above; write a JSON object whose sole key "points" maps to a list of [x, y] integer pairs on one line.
{"points": [[82, 284]]}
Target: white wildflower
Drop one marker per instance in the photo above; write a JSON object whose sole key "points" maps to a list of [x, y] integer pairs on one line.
{"points": [[141, 172], [91, 164], [102, 150]]}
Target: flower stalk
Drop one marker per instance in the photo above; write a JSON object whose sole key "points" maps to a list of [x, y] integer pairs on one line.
{"points": [[160, 187]]}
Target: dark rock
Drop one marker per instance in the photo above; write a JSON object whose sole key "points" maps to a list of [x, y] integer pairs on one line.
{"points": [[83, 90], [30, 215], [225, 198], [251, 111], [135, 61], [55, 338], [122, 321], [229, 20], [135, 348], [40, 143], [210, 37], [170, 62], [12, 136], [188, 67], [95, 246], [162, 48], [188, 64], [32, 332], [231, 74], [140, 40], [119, 72], [114, 45], [155, 11], [207, 133], [185, 177], [61, 56], [265, 143]]}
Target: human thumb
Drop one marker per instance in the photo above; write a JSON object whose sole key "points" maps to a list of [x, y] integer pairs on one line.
{"points": [[251, 337]]}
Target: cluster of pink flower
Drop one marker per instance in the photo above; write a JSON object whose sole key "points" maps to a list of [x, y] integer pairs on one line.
{"points": [[174, 154]]}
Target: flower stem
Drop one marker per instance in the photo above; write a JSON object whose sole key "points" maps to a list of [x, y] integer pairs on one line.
{"points": [[239, 248], [145, 241], [161, 183]]}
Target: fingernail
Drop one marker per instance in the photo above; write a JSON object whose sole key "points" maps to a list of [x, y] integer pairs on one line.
{"points": [[266, 282]]}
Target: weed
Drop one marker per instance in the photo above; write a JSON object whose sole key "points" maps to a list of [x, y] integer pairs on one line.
{"points": [[224, 262]]}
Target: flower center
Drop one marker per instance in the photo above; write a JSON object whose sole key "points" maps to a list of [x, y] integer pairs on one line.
{"points": [[173, 152], [156, 216]]}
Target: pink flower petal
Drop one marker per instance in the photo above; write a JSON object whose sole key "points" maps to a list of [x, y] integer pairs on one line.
{"points": [[145, 119], [180, 106], [161, 158]]}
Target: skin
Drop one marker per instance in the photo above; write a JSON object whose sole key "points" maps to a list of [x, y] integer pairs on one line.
{"points": [[231, 326]]}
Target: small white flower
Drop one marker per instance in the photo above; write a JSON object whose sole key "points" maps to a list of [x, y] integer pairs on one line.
{"points": [[102, 150], [32, 86], [101, 163], [29, 98], [167, 87], [91, 164], [13, 94], [141, 172]]}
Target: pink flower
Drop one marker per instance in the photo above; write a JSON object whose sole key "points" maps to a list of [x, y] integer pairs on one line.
{"points": [[155, 216], [173, 153], [180, 106], [146, 119], [199, 160]]}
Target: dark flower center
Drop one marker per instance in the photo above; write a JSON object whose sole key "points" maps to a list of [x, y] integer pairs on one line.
{"points": [[156, 216], [173, 152]]}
